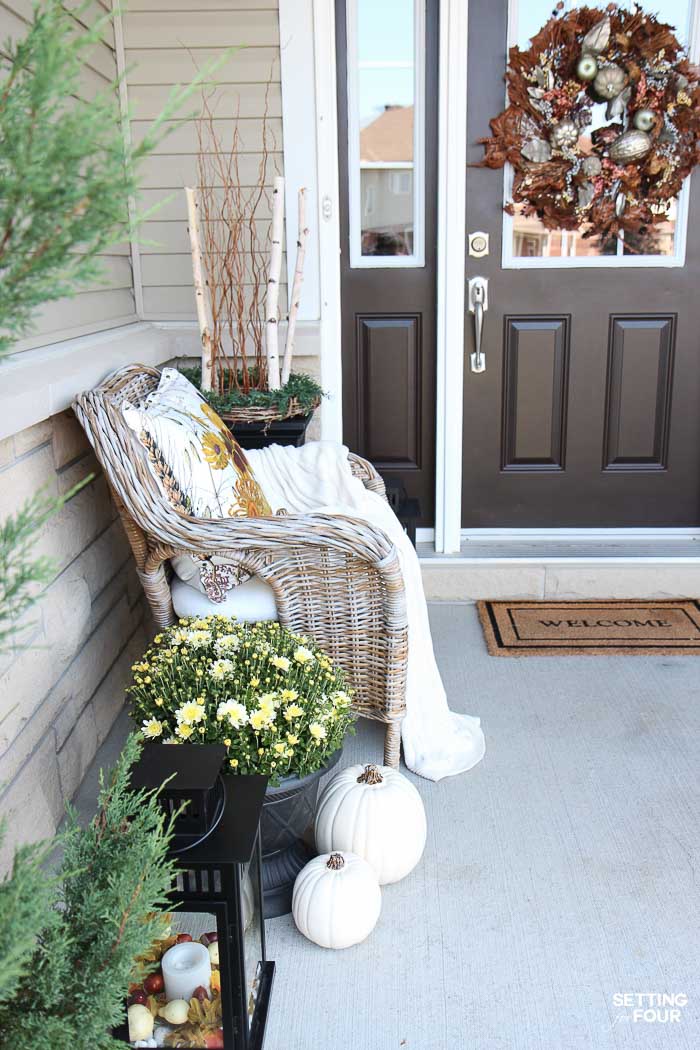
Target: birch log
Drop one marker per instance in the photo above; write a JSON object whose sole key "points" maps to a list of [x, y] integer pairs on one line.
{"points": [[200, 295], [273, 287], [296, 288]]}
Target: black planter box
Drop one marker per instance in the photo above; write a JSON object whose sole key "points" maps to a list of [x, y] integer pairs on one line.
{"points": [[279, 432]]}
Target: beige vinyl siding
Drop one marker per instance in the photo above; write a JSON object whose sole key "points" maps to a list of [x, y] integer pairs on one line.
{"points": [[166, 42], [110, 300]]}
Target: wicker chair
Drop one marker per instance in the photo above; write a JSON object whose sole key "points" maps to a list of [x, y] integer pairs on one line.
{"points": [[335, 578]]}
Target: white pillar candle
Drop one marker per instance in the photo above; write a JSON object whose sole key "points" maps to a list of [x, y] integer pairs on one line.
{"points": [[185, 966]]}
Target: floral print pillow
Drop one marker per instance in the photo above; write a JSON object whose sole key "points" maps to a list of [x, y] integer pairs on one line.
{"points": [[199, 465]]}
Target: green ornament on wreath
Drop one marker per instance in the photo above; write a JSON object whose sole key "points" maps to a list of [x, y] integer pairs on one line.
{"points": [[622, 174]]}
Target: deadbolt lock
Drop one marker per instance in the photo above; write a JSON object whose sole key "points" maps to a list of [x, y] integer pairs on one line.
{"points": [[478, 244]]}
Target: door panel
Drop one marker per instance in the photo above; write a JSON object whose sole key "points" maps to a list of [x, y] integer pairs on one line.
{"points": [[388, 295], [389, 357], [638, 401], [588, 413], [535, 393]]}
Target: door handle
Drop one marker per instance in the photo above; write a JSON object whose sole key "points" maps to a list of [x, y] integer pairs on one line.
{"points": [[478, 305]]}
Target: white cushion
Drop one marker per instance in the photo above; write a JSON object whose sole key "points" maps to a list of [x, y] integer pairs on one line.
{"points": [[250, 602]]}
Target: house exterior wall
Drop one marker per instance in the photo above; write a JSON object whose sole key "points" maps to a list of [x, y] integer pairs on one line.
{"points": [[60, 694], [166, 42], [109, 302]]}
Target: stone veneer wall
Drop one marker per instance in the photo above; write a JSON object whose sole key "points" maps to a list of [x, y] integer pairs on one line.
{"points": [[60, 696]]}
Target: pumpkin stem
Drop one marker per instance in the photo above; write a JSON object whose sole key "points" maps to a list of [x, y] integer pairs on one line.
{"points": [[371, 775], [336, 861]]}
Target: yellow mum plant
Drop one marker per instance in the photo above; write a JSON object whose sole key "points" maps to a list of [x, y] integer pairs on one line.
{"points": [[273, 698]]}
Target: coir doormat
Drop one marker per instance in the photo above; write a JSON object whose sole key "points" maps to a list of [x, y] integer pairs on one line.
{"points": [[603, 628]]}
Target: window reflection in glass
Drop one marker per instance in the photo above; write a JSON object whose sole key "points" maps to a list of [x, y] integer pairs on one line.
{"points": [[530, 239], [384, 79]]}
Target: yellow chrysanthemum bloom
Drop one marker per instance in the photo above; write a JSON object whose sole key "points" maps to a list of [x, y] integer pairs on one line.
{"points": [[233, 711], [292, 712], [233, 762], [318, 732], [280, 748], [189, 712], [152, 728], [280, 662], [221, 669], [289, 694], [302, 655], [292, 738], [259, 719], [184, 731]]}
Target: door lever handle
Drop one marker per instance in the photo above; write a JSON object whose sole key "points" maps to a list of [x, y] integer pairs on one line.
{"points": [[478, 305]]}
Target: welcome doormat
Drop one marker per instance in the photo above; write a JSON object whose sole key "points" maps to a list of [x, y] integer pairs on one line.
{"points": [[604, 628]]}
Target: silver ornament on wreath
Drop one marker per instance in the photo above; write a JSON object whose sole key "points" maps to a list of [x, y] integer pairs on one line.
{"points": [[609, 81], [617, 106], [597, 38], [591, 167], [564, 134], [644, 119], [630, 146], [536, 150], [587, 67]]}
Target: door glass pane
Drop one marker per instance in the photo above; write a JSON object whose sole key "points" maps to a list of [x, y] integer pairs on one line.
{"points": [[529, 238], [384, 130]]}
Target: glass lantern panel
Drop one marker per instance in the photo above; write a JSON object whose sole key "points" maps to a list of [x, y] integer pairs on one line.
{"points": [[185, 1004], [254, 954]]}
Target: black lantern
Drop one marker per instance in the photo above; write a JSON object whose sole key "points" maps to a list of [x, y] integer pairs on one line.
{"points": [[217, 898]]}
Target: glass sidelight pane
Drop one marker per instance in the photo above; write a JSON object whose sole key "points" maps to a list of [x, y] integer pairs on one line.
{"points": [[525, 237], [385, 131]]}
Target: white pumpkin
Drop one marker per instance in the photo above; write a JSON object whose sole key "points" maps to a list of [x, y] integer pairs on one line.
{"points": [[377, 813], [336, 900]]}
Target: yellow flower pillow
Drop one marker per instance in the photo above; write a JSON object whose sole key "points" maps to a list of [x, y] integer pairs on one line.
{"points": [[199, 465]]}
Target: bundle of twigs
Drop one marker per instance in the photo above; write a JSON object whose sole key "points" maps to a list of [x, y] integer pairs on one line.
{"points": [[237, 274]]}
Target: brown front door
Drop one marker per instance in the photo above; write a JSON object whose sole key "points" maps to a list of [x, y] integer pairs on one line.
{"points": [[387, 131], [588, 411]]}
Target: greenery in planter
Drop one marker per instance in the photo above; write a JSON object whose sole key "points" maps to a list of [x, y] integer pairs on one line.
{"points": [[66, 169], [69, 945], [272, 697], [299, 387]]}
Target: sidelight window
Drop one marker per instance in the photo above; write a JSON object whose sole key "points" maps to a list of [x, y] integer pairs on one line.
{"points": [[386, 74], [527, 243]]}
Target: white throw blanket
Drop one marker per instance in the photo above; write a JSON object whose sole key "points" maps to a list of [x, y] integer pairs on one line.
{"points": [[317, 477]]}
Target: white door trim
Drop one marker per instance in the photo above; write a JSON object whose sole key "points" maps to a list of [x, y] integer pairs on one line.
{"points": [[452, 161], [311, 159], [300, 98]]}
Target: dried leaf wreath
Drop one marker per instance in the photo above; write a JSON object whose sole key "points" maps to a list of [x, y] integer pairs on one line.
{"points": [[625, 174]]}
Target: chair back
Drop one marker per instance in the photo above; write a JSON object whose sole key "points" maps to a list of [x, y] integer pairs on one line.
{"points": [[135, 490]]}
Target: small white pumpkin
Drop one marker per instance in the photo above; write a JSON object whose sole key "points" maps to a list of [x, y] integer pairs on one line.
{"points": [[375, 812], [336, 900]]}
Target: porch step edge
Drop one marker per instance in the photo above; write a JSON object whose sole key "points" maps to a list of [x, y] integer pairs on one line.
{"points": [[460, 579]]}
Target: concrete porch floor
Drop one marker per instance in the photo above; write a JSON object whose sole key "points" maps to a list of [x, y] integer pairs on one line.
{"points": [[560, 872]]}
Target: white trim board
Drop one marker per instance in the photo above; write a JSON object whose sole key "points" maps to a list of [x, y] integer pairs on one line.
{"points": [[452, 167], [299, 145]]}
